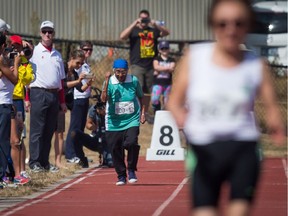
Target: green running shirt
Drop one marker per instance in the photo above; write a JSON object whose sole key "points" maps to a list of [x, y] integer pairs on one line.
{"points": [[123, 106]]}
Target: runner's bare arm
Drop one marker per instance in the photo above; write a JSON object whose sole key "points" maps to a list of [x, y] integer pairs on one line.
{"points": [[104, 96], [273, 115]]}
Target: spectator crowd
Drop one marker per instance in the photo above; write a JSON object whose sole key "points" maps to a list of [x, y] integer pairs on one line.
{"points": [[35, 79]]}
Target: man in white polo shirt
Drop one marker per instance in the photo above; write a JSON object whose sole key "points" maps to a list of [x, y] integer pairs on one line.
{"points": [[44, 97]]}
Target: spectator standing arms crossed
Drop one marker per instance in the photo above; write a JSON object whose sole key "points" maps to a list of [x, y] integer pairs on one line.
{"points": [[143, 36], [124, 113], [163, 68], [213, 98], [45, 95]]}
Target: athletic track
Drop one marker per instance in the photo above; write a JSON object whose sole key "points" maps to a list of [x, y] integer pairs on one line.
{"points": [[162, 189]]}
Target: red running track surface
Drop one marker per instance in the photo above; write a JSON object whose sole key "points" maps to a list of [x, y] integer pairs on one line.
{"points": [[162, 189]]}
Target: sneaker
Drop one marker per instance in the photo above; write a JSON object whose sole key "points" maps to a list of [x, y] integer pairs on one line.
{"points": [[7, 183], [132, 178], [37, 169], [121, 181], [3, 184], [6, 180], [73, 160], [84, 163], [25, 174], [19, 180], [53, 169]]}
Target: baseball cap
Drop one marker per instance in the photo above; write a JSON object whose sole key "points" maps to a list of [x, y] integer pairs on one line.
{"points": [[163, 44], [16, 39], [47, 24], [4, 26], [120, 63]]}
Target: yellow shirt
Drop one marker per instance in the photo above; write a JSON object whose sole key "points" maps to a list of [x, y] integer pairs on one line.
{"points": [[25, 76]]}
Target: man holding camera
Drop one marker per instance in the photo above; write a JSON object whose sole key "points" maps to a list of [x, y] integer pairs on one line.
{"points": [[96, 140], [143, 34]]}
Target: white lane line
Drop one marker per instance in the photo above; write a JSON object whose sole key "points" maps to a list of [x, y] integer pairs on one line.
{"points": [[160, 209], [284, 162], [49, 195]]}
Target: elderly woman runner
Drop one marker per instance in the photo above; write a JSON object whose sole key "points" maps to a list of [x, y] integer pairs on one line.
{"points": [[123, 95]]}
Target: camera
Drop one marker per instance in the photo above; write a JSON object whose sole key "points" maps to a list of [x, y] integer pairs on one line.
{"points": [[88, 76], [145, 20], [11, 55], [99, 105], [27, 51]]}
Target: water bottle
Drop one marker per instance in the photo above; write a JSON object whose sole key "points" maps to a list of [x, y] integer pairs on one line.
{"points": [[160, 22]]}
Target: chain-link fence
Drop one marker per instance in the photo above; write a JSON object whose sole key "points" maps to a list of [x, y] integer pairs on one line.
{"points": [[105, 52], [279, 77]]}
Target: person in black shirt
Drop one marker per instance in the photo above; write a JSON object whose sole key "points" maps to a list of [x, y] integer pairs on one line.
{"points": [[163, 68], [143, 34]]}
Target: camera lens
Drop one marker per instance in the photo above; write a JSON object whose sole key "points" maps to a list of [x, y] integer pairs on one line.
{"points": [[145, 20], [27, 51], [8, 49]]}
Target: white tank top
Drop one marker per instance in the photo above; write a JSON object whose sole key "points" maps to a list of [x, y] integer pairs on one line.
{"points": [[220, 100], [6, 91]]}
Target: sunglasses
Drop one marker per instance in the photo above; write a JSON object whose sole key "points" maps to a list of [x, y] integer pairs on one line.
{"points": [[46, 31], [117, 71], [87, 49], [164, 48], [238, 24]]}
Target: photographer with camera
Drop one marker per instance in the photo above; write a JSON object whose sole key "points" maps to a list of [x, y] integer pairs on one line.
{"points": [[143, 36], [25, 76], [96, 140], [9, 78]]}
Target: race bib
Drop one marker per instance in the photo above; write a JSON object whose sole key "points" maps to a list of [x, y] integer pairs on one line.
{"points": [[124, 108]]}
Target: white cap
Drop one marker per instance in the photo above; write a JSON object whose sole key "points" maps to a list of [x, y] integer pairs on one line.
{"points": [[47, 24], [4, 26]]}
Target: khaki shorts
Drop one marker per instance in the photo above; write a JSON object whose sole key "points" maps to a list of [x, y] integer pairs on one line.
{"points": [[145, 77]]}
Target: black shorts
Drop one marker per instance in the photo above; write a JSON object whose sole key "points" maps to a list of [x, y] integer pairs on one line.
{"points": [[235, 162]]}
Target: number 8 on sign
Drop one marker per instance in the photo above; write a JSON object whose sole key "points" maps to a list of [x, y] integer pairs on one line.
{"points": [[165, 141], [166, 137]]}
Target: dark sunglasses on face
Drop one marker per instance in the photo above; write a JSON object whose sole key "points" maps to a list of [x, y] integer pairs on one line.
{"points": [[49, 32], [117, 71], [223, 24], [165, 48], [87, 49]]}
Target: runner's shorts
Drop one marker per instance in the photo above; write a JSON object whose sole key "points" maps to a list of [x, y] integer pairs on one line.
{"points": [[234, 162]]}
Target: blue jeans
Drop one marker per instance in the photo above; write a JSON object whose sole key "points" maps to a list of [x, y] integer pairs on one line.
{"points": [[5, 128], [77, 122]]}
